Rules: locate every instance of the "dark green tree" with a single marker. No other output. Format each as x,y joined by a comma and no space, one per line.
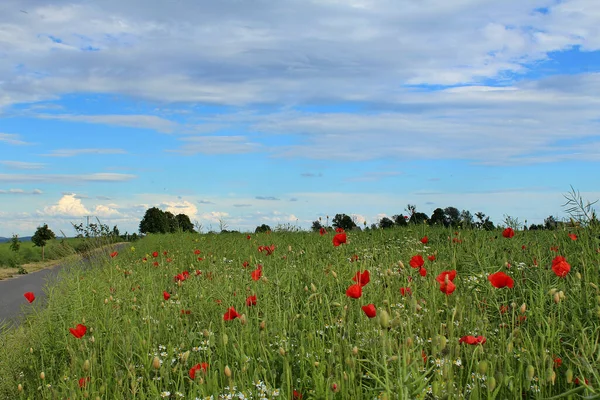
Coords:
550,223
452,216
316,226
343,221
418,218
41,237
154,221
466,219
438,217
15,243
183,223
385,223
262,229
400,220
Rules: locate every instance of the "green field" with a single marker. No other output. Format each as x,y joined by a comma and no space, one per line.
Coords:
305,337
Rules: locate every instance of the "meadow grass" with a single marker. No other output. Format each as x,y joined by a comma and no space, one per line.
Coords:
304,337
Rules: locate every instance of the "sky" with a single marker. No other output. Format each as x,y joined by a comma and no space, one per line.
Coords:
284,111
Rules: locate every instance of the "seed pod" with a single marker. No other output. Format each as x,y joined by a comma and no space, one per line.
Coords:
262,325
509,347
483,367
355,350
523,308
205,333
556,298
530,372
31,350
316,364
552,291
86,365
334,274
156,362
578,275
225,339
243,319
491,384
282,351
20,387
227,371
313,287
42,375
561,294
384,319
569,375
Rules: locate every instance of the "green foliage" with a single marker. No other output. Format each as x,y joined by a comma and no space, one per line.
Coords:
400,220
316,226
15,244
158,221
262,228
385,223
437,218
343,221
41,237
305,334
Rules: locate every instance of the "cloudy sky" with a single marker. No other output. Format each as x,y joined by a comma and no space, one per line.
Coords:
281,111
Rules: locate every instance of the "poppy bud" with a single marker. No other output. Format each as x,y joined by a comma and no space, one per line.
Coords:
31,350
262,325
92,339
578,275
225,339
334,274
355,350
593,285
205,333
561,294
227,371
509,347
384,319
552,291
550,376
86,365
316,363
105,301
401,264
313,287
530,372
483,367
20,387
42,375
569,375
491,383
156,362
409,341
305,288
335,388
243,319
345,376
523,308
282,351
556,298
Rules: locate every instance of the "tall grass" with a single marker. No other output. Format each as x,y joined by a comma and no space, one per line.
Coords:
305,337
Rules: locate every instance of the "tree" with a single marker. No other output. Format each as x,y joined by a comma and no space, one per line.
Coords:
385,223
262,229
184,223
466,219
316,226
343,221
438,217
452,216
550,223
41,237
418,218
400,220
154,221
15,243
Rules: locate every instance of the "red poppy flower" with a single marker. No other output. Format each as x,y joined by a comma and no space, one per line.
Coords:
431,257
577,381
155,263
197,368
248,237
422,271
83,382
78,331
251,300
231,314
473,340
198,272
554,248
322,231
405,291
196,252
114,254
503,309
450,275
424,240
354,258
370,310
424,356
523,247
560,266
257,273
416,261
29,296
573,236
186,312
362,278
508,233
166,295
339,238
500,280
354,291
155,254
245,264
456,240
296,395
339,230
445,279
165,253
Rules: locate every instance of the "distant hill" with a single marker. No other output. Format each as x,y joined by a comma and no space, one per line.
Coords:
22,239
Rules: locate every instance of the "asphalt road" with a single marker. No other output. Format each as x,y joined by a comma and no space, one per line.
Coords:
13,305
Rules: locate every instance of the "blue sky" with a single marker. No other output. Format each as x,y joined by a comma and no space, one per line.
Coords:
281,112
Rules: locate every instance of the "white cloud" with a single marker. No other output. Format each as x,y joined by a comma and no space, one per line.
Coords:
103,211
12,138
66,178
22,165
180,207
67,206
129,121
20,191
78,152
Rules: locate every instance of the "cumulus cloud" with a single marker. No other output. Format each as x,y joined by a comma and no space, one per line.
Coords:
68,206
180,207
